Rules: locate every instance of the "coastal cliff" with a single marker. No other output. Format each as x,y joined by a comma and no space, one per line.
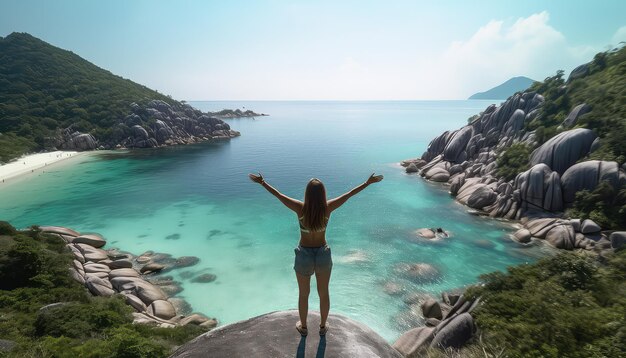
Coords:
539,156
51,99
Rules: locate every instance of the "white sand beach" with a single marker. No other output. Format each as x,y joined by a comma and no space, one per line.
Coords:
32,163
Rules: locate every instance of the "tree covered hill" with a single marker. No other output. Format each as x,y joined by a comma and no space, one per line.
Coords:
506,89
48,94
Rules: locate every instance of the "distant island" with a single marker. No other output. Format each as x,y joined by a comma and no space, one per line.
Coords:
53,99
505,90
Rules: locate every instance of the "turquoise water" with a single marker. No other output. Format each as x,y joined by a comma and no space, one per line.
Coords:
246,237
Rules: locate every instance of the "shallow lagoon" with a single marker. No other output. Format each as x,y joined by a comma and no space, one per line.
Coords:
197,200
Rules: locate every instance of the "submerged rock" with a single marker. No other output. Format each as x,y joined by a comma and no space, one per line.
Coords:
418,272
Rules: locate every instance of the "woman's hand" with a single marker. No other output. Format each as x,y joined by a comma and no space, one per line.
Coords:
256,178
373,179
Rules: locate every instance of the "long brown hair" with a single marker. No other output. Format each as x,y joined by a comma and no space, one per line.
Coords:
314,210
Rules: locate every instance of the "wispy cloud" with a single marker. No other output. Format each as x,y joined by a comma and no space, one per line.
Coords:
496,51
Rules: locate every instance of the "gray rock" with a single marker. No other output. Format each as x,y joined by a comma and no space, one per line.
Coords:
77,276
204,278
152,267
162,309
522,235
454,333
91,267
481,197
431,309
454,150
59,230
575,224
437,174
99,287
573,116
562,236
94,240
589,227
618,239
425,233
252,338
412,168
539,188
418,272
563,150
412,342
578,72
135,302
186,261
195,318
118,264
139,132
123,272
587,175
149,293
80,141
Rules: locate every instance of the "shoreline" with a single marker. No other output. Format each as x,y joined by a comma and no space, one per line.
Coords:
33,163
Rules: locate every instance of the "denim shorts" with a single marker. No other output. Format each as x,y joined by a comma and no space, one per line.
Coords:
312,259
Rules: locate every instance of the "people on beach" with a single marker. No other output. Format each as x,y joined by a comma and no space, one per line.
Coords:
312,255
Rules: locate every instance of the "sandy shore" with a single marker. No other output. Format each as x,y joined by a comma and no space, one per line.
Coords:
32,163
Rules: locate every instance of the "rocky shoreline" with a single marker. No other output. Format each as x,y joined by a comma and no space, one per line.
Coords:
110,272
155,124
465,160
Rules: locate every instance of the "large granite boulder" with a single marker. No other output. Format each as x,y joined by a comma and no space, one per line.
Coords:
573,116
94,240
59,230
455,148
481,197
563,150
436,146
454,333
562,236
412,342
274,335
587,175
540,188
618,239
80,141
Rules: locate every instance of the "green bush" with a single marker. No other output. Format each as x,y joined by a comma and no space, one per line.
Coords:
6,228
605,205
33,274
513,160
562,306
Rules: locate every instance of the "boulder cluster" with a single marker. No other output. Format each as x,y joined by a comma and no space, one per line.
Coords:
110,272
154,124
449,324
466,160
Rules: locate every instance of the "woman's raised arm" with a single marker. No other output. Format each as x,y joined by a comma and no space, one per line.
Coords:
340,200
293,204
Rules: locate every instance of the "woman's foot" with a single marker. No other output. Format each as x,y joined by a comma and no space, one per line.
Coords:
323,329
302,329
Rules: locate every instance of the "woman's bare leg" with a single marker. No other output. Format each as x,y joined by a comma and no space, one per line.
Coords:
323,278
304,287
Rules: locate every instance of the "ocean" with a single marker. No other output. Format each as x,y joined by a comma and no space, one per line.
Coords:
197,200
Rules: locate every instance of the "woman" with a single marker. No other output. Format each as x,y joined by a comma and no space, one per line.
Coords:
313,253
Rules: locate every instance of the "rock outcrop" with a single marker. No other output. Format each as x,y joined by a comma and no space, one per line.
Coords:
107,273
587,175
564,149
274,335
156,123
466,160
449,325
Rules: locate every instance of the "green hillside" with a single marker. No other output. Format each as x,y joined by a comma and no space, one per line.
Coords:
44,88
503,91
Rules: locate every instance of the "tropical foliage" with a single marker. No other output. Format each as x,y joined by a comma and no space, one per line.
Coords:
562,306
34,275
44,88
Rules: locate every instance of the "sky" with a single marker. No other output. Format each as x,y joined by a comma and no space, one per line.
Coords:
323,50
